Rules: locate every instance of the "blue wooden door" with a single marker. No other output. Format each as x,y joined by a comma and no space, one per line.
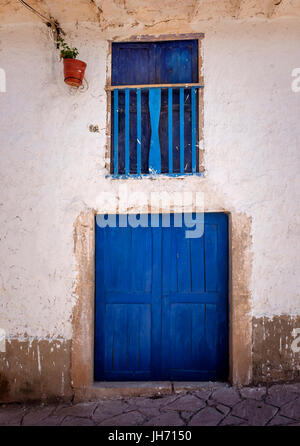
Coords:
161,302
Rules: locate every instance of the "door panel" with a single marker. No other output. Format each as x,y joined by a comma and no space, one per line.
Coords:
127,341
165,62
161,302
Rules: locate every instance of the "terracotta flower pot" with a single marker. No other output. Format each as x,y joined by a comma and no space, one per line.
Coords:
74,72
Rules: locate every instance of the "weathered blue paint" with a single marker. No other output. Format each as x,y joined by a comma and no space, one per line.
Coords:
138,131
181,124
165,62
155,117
193,93
139,63
154,152
156,313
170,128
116,132
161,302
175,175
127,157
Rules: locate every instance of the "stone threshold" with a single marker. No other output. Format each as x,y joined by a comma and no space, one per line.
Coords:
116,389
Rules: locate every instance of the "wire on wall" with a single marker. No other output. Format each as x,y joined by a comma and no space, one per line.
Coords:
34,11
56,30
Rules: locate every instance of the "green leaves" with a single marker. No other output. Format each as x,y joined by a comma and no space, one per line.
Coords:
66,52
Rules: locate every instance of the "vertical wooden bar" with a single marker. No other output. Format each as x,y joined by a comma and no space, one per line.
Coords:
127,156
170,126
99,302
193,91
109,113
138,131
181,127
116,131
156,302
200,106
166,298
154,152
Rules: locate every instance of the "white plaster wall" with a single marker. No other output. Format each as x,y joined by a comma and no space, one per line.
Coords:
52,167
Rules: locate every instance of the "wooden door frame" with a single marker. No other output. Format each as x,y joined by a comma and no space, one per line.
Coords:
240,319
149,38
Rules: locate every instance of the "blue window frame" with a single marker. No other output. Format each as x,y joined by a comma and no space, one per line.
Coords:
154,96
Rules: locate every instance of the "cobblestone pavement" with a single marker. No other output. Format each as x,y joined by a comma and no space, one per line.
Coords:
210,405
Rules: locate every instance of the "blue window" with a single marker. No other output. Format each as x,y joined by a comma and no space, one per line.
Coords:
155,97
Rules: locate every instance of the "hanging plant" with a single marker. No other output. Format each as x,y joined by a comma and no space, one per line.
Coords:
73,68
